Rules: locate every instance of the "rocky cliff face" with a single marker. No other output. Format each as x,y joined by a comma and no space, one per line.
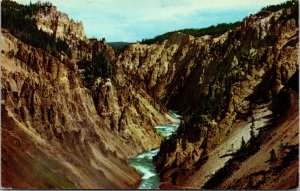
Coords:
60,135
58,24
223,79
44,101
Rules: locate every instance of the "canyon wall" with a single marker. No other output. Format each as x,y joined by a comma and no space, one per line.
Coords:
53,127
232,75
40,99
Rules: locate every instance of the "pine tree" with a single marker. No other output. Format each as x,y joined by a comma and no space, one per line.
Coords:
252,133
273,157
243,144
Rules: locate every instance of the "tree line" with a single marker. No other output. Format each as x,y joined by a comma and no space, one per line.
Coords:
223,27
212,30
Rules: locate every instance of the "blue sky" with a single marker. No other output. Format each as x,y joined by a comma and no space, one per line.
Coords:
133,20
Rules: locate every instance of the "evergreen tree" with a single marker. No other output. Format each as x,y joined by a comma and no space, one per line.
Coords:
273,157
100,67
243,144
252,133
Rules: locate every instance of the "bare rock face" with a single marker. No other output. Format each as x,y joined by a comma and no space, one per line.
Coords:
158,66
129,112
58,24
44,101
55,136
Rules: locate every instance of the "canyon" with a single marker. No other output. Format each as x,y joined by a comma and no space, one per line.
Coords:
237,93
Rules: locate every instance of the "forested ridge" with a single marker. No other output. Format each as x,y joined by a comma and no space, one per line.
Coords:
219,29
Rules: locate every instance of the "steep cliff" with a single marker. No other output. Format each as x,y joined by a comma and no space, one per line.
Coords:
44,101
59,26
223,83
54,132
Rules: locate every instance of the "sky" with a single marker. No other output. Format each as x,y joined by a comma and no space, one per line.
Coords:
134,20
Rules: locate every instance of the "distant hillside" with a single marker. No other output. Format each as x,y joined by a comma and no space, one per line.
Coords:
212,30
119,45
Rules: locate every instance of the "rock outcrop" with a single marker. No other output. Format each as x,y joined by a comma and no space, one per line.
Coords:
58,24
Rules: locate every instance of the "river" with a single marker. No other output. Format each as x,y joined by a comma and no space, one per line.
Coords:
143,161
